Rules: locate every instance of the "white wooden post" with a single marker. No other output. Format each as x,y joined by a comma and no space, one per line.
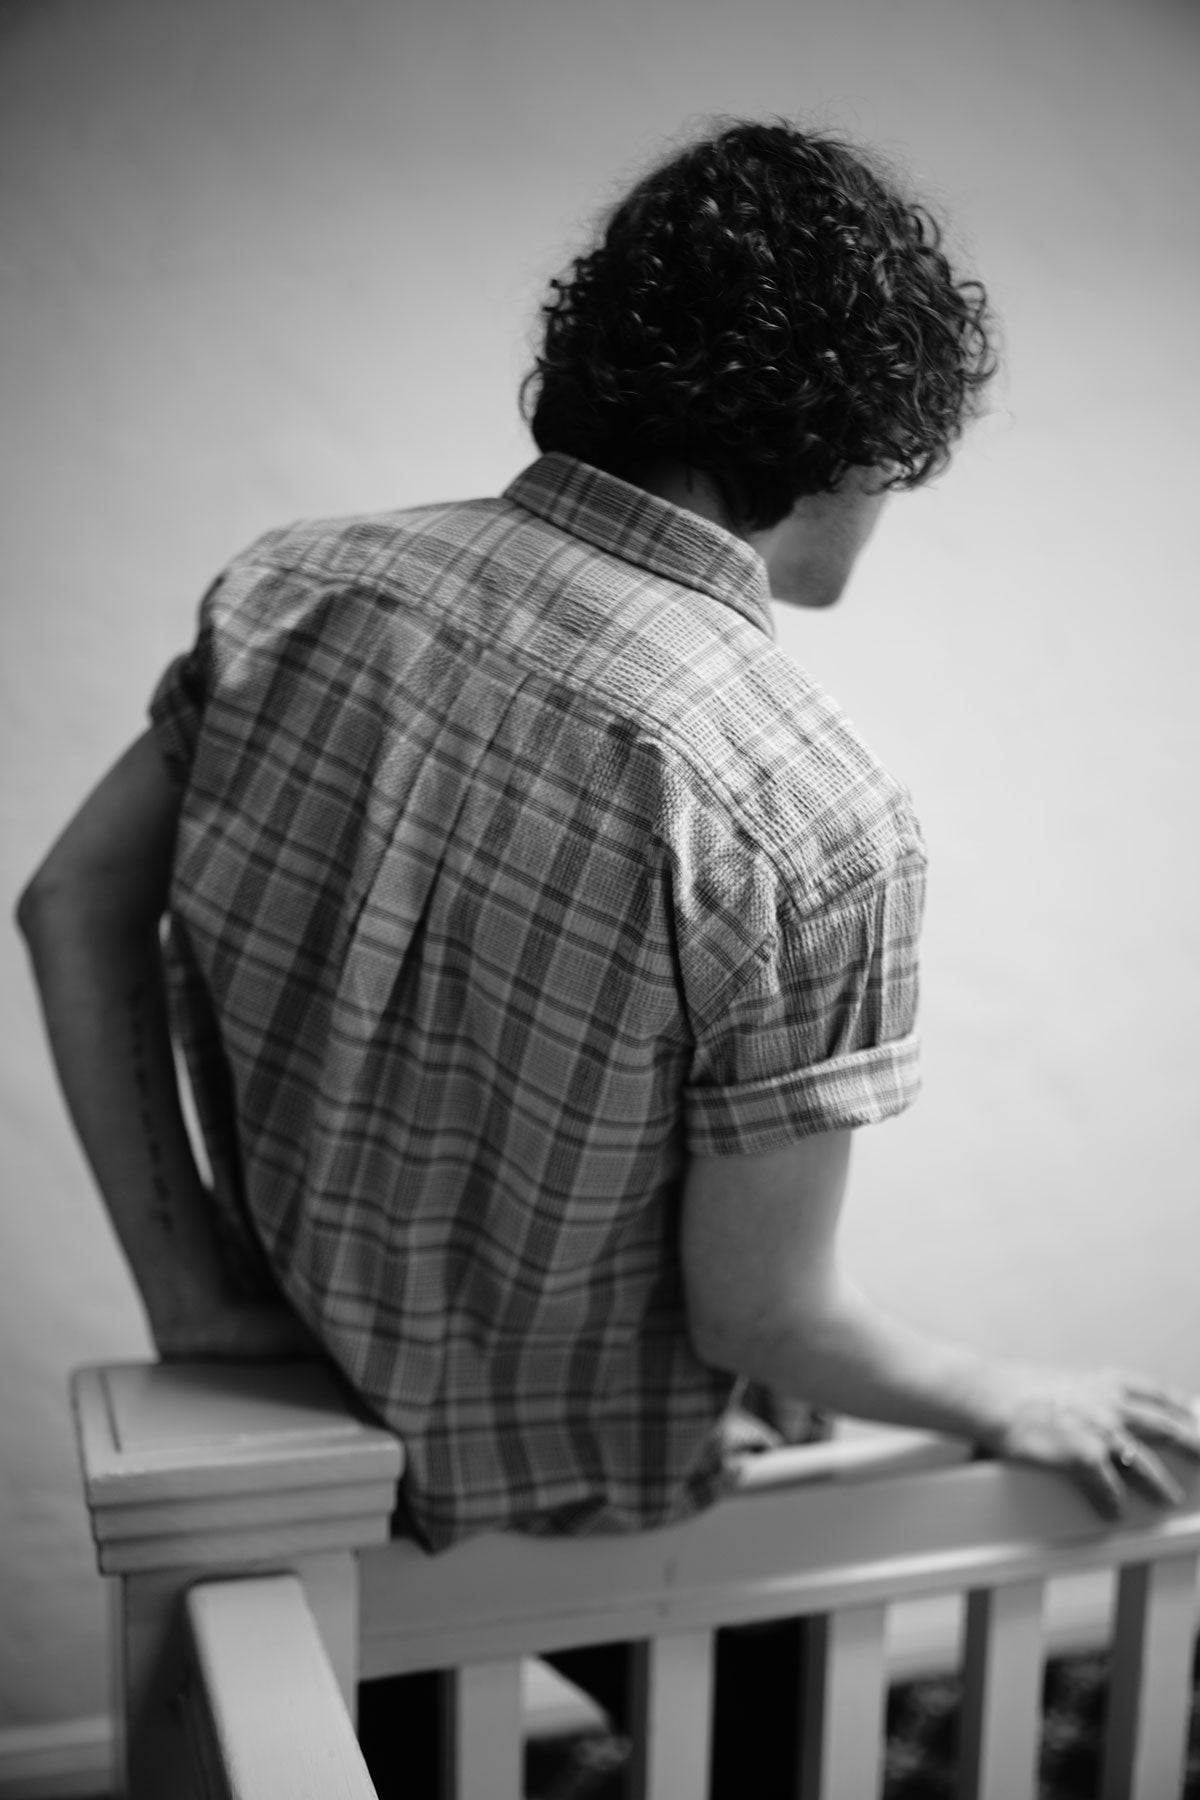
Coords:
1002,1693
484,1752
843,1705
193,1471
671,1716
1150,1685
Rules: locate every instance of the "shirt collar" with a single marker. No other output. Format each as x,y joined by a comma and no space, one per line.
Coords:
648,531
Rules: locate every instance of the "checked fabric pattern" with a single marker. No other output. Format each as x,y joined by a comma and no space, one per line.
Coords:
516,863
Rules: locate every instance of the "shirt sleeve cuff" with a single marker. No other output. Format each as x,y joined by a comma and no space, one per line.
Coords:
862,1088
174,714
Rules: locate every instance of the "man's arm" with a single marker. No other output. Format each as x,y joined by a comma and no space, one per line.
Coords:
91,917
767,1299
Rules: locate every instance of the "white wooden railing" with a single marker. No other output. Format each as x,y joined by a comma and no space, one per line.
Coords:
244,1514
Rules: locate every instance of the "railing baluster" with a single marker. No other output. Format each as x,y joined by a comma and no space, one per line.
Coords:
1002,1677
485,1747
671,1716
1150,1685
843,1705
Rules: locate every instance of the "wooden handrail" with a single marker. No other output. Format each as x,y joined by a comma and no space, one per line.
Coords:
262,1705
786,1553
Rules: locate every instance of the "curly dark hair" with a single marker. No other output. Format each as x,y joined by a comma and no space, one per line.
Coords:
770,308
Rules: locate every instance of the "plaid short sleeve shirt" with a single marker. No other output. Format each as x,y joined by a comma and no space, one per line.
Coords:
516,864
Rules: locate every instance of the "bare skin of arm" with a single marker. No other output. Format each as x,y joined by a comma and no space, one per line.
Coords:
91,917
768,1299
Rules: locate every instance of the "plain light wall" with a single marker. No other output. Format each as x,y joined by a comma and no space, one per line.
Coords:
268,259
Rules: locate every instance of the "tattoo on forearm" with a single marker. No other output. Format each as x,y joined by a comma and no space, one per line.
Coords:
161,1209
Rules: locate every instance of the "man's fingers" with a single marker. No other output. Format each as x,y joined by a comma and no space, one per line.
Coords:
1101,1484
1137,1464
1164,1425
1112,1469
1175,1401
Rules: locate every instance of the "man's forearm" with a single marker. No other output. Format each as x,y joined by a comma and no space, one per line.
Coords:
102,993
852,1358
91,916
767,1299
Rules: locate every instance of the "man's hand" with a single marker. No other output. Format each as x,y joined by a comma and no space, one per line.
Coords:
236,1331
205,1308
1097,1428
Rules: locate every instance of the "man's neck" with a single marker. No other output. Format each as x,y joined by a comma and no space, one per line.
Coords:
690,489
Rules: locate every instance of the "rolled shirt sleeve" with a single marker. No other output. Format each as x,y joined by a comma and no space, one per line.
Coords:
177,703
821,1032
